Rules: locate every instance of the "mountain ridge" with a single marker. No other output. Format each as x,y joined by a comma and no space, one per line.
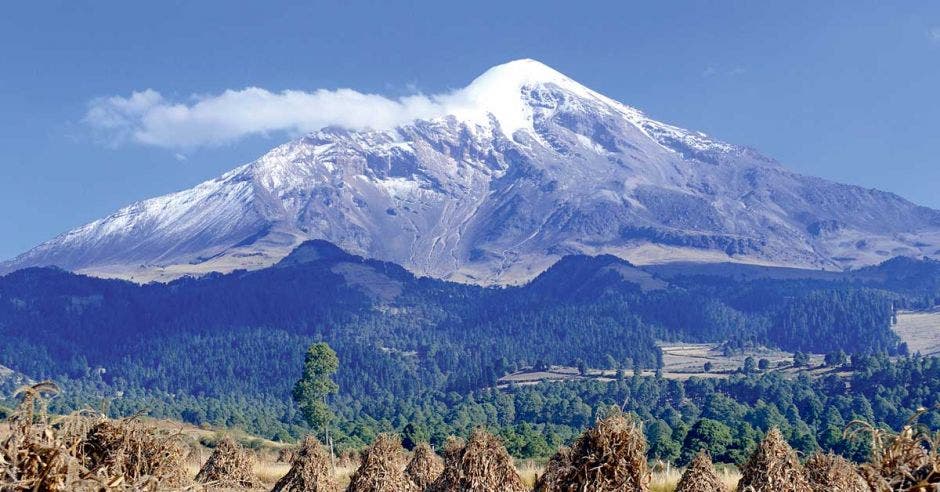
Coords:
529,166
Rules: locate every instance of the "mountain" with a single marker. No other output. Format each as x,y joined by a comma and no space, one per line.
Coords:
589,276
532,168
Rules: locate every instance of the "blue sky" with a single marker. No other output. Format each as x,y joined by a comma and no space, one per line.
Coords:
843,90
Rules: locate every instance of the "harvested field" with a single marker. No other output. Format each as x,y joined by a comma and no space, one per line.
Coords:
86,451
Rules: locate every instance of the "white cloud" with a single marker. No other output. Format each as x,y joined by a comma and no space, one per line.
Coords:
146,117
149,118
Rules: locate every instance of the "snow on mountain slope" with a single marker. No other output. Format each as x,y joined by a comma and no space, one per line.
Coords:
529,166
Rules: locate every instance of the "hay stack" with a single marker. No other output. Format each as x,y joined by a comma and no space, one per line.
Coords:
773,467
85,451
33,457
609,457
424,467
135,454
482,465
229,466
558,467
452,449
310,470
451,474
908,461
382,468
830,472
700,476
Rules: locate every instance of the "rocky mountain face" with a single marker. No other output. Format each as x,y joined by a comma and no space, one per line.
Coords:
538,167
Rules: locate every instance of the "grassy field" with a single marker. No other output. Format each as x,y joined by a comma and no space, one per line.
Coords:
921,330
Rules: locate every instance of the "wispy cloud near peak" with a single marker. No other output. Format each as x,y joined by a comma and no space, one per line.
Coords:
147,117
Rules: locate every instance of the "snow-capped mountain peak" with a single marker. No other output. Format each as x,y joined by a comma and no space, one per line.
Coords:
505,93
526,166
500,92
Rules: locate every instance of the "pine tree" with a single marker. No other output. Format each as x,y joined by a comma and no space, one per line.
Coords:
315,384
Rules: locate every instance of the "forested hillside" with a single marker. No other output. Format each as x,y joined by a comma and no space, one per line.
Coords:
226,349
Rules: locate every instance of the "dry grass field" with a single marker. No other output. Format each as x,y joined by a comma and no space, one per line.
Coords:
921,330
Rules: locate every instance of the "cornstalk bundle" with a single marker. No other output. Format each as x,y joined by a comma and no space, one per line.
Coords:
908,461
451,454
229,466
773,467
425,466
85,451
482,465
700,476
382,468
135,454
830,472
310,471
558,467
33,457
611,456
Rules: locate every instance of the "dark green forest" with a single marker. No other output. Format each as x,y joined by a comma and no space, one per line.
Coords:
422,356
